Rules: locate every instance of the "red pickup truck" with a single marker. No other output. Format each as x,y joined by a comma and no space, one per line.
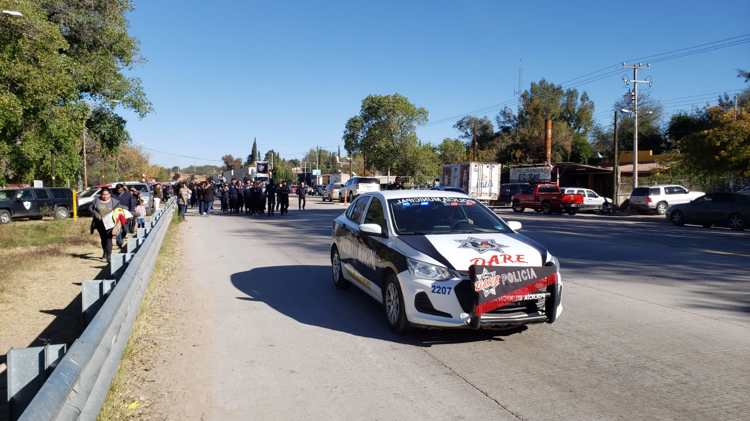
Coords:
546,198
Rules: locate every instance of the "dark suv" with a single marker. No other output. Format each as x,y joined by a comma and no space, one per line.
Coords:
35,203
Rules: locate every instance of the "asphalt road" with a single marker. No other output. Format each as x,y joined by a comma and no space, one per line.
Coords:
656,326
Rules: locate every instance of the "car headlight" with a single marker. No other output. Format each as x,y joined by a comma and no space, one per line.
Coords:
427,271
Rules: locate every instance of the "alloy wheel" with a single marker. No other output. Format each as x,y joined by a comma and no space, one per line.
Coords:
392,304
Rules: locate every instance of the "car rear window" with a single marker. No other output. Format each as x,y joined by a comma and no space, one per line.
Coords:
61,193
367,180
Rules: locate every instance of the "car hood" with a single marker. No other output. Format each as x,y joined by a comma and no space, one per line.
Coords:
460,251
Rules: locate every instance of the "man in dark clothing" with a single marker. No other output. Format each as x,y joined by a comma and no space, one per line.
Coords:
301,195
234,198
271,195
126,201
283,194
208,197
249,193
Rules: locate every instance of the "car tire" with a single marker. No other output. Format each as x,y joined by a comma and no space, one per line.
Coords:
517,207
393,304
572,212
5,217
677,218
337,271
736,222
61,212
661,208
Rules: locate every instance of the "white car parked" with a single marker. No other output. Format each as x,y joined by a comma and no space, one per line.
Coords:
659,198
358,185
591,199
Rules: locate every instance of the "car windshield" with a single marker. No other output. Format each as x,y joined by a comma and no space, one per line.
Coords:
90,192
140,187
443,215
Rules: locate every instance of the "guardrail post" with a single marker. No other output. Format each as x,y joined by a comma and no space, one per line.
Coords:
28,368
93,294
140,233
132,245
117,263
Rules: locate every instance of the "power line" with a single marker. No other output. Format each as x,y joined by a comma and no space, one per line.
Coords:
177,154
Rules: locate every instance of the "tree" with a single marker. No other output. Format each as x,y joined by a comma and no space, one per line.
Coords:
231,163
384,128
452,151
713,143
478,131
63,59
522,133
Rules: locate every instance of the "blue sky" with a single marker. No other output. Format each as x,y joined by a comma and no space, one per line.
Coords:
290,74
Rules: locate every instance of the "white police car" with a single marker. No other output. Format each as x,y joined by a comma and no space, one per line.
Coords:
442,259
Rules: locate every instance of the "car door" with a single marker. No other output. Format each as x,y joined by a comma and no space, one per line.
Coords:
593,200
676,195
722,205
44,201
26,205
373,249
350,235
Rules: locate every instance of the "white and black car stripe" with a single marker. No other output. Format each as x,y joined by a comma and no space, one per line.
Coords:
441,259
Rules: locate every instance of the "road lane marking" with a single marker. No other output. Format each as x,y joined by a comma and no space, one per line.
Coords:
725,253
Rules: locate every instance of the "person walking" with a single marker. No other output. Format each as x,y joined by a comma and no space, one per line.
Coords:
183,200
100,208
271,195
224,198
140,214
283,194
158,196
127,201
301,195
234,198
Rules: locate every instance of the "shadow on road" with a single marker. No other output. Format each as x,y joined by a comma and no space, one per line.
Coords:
306,294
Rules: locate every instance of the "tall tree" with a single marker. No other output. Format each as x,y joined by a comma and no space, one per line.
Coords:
62,59
253,154
479,132
452,151
230,162
383,129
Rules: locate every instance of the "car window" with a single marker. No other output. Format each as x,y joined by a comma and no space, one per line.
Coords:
26,195
41,194
7,194
655,191
359,209
674,190
581,192
591,193
61,193
703,199
375,215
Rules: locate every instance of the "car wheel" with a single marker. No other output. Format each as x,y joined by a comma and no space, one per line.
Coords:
661,208
4,217
517,207
546,208
572,212
337,274
677,218
61,212
736,222
393,303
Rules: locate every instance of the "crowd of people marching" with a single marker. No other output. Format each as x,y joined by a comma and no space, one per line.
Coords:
240,196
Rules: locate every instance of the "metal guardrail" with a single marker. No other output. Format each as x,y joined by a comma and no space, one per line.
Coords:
78,386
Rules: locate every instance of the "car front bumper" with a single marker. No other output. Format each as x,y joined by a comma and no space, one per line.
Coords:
447,304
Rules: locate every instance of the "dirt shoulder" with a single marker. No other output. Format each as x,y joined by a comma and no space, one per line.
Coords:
146,384
43,265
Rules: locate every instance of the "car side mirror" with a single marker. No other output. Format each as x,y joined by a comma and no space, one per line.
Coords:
371,229
515,225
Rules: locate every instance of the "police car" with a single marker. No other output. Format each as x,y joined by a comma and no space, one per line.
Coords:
442,259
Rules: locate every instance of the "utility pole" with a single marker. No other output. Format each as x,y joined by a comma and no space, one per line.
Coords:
634,98
317,164
735,107
85,170
616,165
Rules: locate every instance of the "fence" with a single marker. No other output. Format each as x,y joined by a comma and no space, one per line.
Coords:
47,383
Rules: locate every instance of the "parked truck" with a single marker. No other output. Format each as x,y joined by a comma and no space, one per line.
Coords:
547,198
480,180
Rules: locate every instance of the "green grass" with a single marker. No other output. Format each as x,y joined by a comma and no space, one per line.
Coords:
46,233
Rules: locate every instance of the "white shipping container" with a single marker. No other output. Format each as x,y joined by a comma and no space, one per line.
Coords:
480,180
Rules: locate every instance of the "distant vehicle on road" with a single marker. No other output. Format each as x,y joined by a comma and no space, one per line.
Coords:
591,199
660,197
35,203
442,259
722,209
547,198
358,185
332,192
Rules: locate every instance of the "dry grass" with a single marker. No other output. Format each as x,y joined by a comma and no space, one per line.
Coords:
125,399
27,245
